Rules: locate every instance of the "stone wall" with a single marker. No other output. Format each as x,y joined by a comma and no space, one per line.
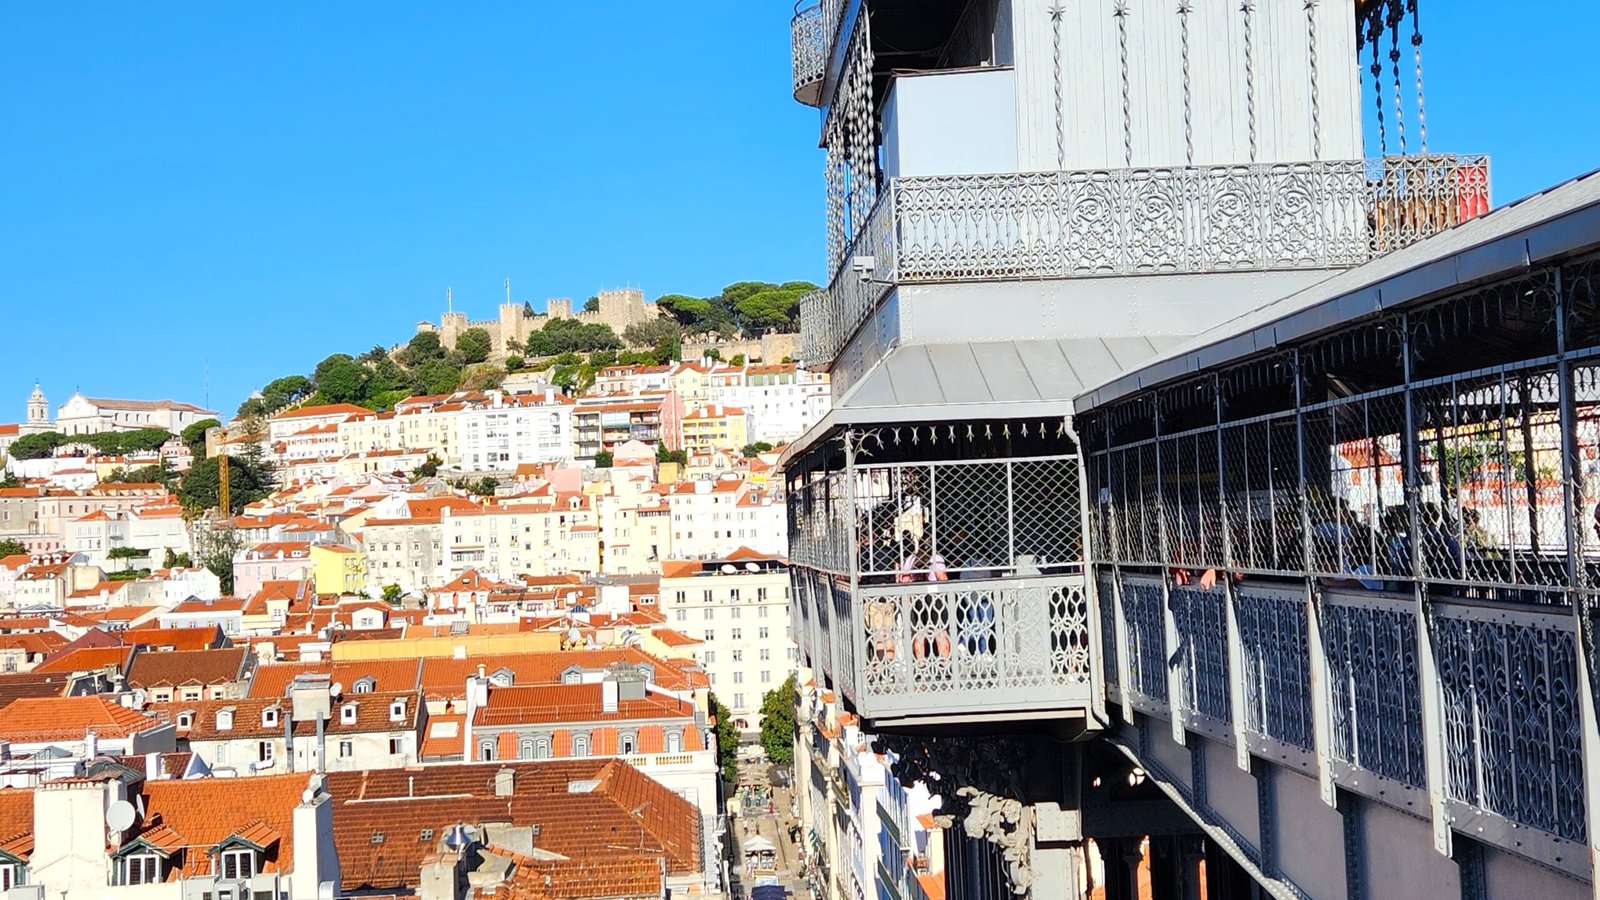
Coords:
618,309
770,348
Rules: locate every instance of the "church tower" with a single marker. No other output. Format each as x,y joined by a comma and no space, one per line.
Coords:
38,412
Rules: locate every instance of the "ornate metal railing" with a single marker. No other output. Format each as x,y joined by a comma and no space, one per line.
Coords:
991,647
1110,222
808,33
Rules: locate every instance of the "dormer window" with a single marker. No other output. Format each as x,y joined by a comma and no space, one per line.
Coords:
225,719
347,714
502,677
186,720
366,684
269,717
139,868
397,711
238,863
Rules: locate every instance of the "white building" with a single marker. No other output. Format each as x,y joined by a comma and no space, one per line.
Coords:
92,415
716,518
781,400
739,608
510,430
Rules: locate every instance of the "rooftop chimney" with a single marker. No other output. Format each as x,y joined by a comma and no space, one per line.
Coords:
608,695
505,782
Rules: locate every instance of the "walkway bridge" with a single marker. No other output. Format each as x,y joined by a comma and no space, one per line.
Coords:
1333,593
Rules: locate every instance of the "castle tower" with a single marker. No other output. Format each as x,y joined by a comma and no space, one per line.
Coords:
451,324
514,327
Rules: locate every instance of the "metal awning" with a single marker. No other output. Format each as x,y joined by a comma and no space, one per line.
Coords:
1560,221
982,380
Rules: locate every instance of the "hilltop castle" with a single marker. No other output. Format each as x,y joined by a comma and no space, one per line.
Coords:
618,309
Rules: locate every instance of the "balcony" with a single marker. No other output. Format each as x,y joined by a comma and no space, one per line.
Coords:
1121,222
999,631
808,34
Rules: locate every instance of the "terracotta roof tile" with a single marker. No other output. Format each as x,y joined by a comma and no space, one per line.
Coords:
39,719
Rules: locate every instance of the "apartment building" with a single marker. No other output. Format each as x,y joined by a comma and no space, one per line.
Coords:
716,518
738,607
781,400
604,422
511,430
715,426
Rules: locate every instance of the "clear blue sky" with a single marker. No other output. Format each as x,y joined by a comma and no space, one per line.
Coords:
260,185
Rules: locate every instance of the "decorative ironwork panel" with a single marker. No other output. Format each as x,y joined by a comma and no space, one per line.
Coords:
1108,630
1414,197
1277,664
1147,637
844,647
1202,652
964,639
808,51
1374,690
1509,684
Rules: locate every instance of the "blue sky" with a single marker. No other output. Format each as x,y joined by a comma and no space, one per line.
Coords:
257,186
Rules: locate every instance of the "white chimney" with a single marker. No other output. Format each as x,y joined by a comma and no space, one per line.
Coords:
608,695
152,766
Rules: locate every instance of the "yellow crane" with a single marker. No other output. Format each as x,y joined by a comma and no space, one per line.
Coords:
222,486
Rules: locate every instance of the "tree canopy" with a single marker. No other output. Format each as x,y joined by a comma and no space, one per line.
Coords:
752,307
114,443
194,436
474,345
10,547
777,722
727,741
572,336
250,478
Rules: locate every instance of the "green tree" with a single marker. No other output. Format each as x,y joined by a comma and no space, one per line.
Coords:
385,400
515,363
422,347
9,547
591,305
391,594
341,379
738,360
756,449
603,459
161,473
727,741
429,467
474,345
437,376
283,391
377,354
663,455
174,560
36,446
8,479
713,353
651,333
772,310
249,480
777,722
194,436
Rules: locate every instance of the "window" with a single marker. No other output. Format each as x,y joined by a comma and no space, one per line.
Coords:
711,657
709,613
761,612
486,750
238,863
761,594
710,635
674,742
264,751
347,713
734,612
397,711
738,656
396,745
766,676
541,748
190,695
185,720
627,744
347,749
707,597
580,745
364,685
733,595
738,678
525,749
139,868
762,634
738,634
682,614
269,717
738,701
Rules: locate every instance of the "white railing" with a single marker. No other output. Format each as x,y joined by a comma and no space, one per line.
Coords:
973,647
808,51
1111,222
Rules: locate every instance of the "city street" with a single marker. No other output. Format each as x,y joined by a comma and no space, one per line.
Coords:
753,819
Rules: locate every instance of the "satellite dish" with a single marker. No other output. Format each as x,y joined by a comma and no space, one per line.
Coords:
751,567
335,690
728,569
119,817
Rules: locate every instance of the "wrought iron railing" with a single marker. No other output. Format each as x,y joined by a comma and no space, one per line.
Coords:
983,517
809,51
975,647
1072,224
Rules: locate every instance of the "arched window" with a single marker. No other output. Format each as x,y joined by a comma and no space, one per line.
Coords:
541,748
627,745
364,685
674,742
580,745
486,750
525,749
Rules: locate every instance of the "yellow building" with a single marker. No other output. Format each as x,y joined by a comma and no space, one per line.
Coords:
715,427
338,569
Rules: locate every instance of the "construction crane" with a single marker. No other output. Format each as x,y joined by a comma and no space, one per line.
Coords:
222,485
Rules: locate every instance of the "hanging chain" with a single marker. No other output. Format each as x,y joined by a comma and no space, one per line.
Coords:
1249,75
1127,103
1316,94
1416,46
1394,62
1184,8
1056,13
1377,95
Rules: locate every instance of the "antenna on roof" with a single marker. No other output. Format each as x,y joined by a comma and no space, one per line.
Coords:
449,302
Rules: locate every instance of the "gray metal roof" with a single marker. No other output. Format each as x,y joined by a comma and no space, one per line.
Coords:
985,379
1560,221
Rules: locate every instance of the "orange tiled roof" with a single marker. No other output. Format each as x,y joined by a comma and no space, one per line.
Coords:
39,719
197,815
557,703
